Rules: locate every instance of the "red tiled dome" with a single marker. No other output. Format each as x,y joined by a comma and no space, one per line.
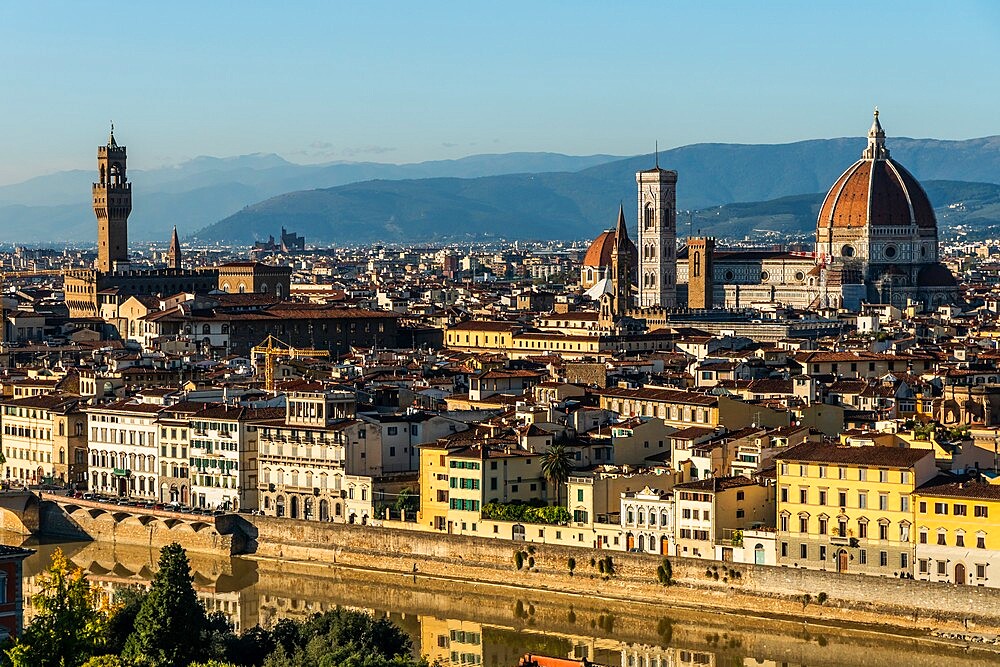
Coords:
599,252
876,190
881,192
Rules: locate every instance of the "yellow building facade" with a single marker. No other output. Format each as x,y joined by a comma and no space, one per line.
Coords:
957,532
849,509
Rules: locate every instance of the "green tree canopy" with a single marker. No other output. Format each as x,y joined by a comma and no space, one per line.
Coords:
341,638
69,623
128,601
104,661
171,627
556,467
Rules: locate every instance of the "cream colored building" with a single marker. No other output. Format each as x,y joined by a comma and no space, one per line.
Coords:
679,409
304,460
45,440
123,449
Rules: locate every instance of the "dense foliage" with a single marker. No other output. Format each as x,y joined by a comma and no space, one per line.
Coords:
70,620
527,513
167,626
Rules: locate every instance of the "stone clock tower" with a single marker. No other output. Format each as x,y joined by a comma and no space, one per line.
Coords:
657,238
112,204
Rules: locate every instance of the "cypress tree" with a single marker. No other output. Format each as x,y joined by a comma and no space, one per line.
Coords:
171,626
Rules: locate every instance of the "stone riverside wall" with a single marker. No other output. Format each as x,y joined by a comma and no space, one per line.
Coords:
297,589
775,592
850,596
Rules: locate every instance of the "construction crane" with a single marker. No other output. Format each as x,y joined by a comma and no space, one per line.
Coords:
272,349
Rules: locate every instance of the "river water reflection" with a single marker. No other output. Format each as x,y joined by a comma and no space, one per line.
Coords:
473,624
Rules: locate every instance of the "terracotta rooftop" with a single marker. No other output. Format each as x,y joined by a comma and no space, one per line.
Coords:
864,456
664,395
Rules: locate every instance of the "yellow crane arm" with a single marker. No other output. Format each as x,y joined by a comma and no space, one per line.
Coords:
271,349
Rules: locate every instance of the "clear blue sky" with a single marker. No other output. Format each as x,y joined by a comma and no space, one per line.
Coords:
411,81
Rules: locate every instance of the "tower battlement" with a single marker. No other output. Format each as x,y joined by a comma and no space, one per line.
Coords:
112,202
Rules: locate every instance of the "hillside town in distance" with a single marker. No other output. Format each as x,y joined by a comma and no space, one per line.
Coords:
833,406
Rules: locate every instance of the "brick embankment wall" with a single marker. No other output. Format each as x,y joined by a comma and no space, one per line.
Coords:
772,591
80,519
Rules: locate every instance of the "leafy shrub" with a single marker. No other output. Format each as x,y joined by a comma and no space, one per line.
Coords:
665,573
518,559
526,512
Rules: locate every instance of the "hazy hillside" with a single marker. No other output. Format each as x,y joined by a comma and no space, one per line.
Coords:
575,205
206,189
519,194
958,205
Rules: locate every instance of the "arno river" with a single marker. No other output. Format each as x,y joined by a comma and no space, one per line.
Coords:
471,624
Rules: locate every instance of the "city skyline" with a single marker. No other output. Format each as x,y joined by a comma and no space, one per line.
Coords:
385,83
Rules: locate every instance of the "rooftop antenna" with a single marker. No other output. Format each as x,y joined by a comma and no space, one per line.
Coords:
656,144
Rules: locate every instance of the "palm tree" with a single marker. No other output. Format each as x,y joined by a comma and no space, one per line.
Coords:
556,466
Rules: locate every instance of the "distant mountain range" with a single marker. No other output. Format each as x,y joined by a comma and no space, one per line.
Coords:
580,204
516,195
206,189
958,205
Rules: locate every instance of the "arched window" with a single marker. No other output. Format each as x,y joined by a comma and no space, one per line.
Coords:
697,264
648,216
206,329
